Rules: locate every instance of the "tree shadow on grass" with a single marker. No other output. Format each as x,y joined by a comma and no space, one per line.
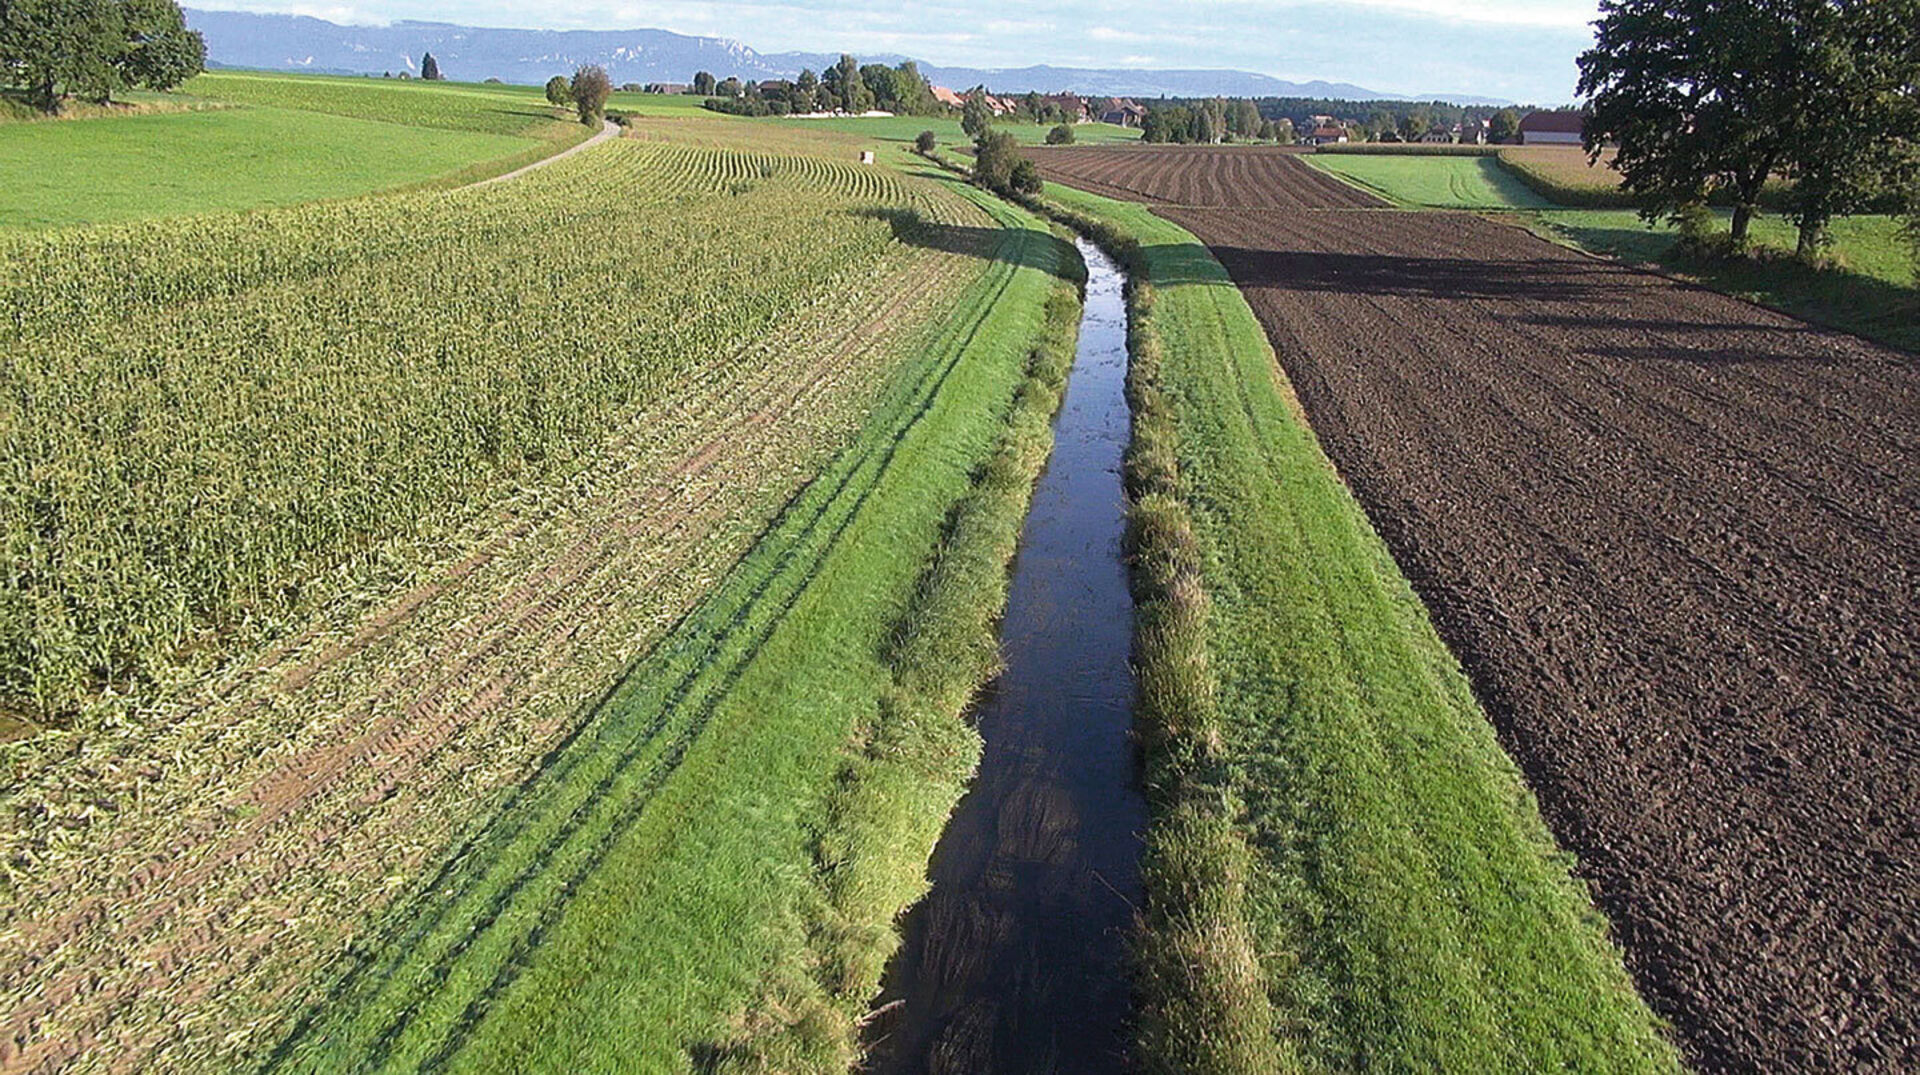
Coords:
1024,248
1831,296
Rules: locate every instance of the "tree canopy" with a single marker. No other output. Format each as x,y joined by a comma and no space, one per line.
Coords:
1705,98
590,89
95,48
430,68
559,91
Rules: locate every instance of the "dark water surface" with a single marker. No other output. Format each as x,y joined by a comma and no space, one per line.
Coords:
1015,961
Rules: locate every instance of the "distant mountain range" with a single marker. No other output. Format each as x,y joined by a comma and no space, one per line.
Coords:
472,53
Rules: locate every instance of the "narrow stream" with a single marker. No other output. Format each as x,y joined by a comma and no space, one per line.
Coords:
1015,962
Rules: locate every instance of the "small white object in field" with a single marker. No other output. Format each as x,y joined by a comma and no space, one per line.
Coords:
866,156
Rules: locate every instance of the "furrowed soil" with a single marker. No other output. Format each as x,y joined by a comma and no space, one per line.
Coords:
1267,177
1672,536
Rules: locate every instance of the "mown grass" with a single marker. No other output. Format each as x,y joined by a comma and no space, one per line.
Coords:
1342,823
241,140
59,174
706,875
1432,181
451,106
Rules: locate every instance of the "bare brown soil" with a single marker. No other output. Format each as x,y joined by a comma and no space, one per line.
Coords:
1675,538
1255,177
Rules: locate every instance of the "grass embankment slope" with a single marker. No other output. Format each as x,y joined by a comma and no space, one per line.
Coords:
275,140
707,874
1868,287
1346,872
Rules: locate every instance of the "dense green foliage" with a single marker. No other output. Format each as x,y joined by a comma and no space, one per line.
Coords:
589,91
95,48
1704,97
559,92
1061,135
205,419
430,68
999,166
1408,909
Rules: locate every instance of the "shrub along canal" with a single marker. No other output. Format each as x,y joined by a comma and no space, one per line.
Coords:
1016,959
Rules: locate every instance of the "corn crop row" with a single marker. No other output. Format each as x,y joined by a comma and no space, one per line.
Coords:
201,418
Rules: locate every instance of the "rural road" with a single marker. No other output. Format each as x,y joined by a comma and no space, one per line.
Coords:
608,131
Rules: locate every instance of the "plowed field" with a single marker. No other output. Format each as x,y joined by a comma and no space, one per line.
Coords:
1674,539
1265,177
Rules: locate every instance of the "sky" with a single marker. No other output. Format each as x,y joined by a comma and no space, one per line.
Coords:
1521,50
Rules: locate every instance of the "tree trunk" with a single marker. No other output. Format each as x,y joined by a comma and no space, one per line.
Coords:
1813,238
1742,217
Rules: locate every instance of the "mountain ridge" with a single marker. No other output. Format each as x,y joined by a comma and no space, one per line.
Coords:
472,53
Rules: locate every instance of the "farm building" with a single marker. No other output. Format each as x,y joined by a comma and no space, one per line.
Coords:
949,98
1437,136
1327,136
1070,105
1552,128
1122,112
666,87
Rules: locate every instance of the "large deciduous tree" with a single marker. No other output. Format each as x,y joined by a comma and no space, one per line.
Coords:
1503,127
1856,144
93,48
559,91
590,89
1709,97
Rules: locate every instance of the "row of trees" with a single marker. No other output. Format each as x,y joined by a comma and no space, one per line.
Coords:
847,86
1213,120
1706,98
586,92
92,49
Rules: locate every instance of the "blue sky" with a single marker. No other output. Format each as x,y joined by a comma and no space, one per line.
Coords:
1519,49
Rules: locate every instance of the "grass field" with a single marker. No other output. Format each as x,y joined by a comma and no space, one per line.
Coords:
1432,182
58,174
235,140
1408,909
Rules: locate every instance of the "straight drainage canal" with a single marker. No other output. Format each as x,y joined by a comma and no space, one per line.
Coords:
1015,962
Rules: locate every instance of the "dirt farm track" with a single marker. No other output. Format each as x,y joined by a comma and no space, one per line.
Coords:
1674,537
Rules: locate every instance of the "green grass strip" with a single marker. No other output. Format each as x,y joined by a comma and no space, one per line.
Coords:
628,908
1334,817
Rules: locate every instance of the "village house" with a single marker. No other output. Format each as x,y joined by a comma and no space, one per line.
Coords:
1327,136
1123,112
1070,105
1552,128
949,98
1437,136
666,87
